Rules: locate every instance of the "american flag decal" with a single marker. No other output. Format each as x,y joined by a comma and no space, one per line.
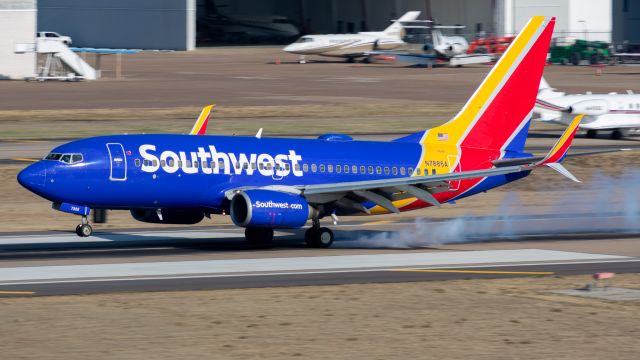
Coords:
443,136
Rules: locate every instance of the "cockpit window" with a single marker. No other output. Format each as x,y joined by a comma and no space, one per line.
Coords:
53,156
304,39
65,158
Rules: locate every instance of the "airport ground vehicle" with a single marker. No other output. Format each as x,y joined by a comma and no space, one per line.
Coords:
50,35
595,52
490,45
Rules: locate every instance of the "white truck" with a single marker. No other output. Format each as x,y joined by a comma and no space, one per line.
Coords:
50,35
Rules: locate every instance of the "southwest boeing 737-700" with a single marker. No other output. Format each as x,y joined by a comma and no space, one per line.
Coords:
276,183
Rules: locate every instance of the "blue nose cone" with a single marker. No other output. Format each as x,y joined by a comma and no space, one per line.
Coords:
33,177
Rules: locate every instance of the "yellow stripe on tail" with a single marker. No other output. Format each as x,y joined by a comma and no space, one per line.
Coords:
200,127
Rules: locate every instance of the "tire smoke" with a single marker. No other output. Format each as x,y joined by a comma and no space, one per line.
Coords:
604,205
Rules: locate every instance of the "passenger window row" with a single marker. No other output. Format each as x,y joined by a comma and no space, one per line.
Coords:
313,168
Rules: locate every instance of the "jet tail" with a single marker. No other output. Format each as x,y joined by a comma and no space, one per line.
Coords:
498,113
200,127
396,29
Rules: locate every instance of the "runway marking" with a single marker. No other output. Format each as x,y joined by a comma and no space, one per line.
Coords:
494,272
379,222
25,159
287,273
17,292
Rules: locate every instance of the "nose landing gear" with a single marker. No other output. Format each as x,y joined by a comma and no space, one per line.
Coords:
318,237
84,229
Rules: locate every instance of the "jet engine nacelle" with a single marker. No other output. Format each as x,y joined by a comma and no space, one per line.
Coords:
589,107
169,216
272,209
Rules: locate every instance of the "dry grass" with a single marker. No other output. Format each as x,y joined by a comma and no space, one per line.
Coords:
480,319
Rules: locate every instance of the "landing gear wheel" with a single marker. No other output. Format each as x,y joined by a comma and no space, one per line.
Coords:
84,230
592,134
617,134
258,236
319,237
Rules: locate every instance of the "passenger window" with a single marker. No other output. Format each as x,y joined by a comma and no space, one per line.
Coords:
137,162
162,163
322,168
179,163
394,170
362,169
402,171
314,168
237,165
330,168
213,164
155,163
268,165
410,171
354,169
297,167
287,166
245,166
346,169
195,164
433,171
338,168
378,170
221,164
370,168
187,164
418,170
171,162
386,170
305,167
254,166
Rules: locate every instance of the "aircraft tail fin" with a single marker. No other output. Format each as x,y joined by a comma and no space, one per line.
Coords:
200,127
499,111
396,29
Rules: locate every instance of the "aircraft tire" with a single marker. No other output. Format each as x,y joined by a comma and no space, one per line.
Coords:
258,236
84,230
319,237
617,134
592,134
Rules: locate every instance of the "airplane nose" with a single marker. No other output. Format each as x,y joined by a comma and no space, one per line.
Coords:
33,177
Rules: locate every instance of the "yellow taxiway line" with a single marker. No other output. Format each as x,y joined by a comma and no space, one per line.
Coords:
495,272
17,292
25,159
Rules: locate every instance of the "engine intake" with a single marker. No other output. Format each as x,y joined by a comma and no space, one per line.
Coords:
590,107
169,216
272,209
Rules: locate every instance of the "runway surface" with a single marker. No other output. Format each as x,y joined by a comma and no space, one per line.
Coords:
188,259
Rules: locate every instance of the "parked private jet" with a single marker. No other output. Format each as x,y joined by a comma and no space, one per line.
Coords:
275,183
612,111
352,46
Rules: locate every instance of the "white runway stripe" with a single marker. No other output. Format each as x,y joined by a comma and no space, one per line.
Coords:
316,263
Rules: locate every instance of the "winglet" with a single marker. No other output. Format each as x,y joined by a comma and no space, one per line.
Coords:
559,150
200,127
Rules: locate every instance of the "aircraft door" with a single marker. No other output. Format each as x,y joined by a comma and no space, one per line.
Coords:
118,162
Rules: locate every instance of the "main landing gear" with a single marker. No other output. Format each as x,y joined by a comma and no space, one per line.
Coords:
318,237
84,229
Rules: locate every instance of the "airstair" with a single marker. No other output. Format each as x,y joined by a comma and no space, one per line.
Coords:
61,63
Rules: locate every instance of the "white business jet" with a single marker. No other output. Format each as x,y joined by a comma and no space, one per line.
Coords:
612,112
352,46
